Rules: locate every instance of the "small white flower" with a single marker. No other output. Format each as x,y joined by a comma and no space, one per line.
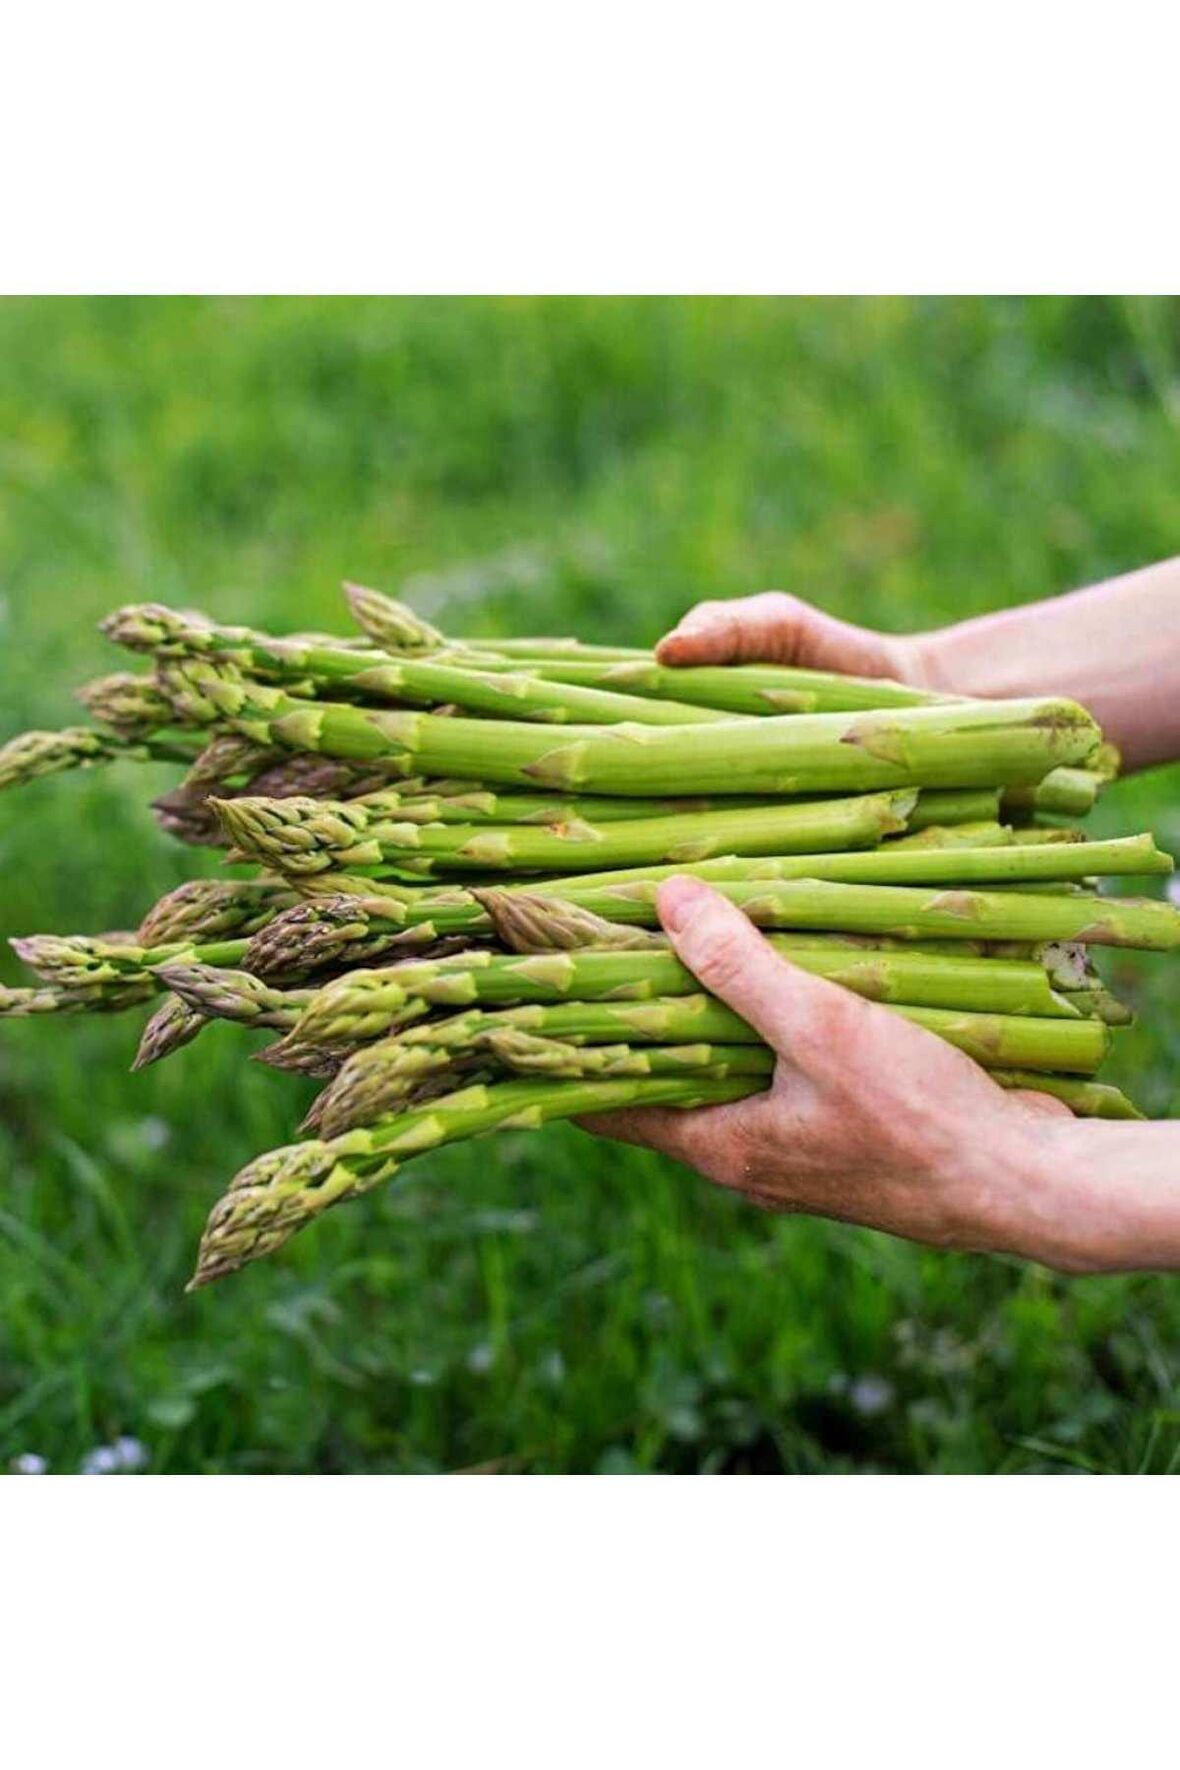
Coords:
102,1460
131,1453
871,1395
29,1463
480,1359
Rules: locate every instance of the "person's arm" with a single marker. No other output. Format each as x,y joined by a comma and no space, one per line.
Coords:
872,1120
1114,647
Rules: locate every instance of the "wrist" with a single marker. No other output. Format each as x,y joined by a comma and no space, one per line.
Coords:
1085,1198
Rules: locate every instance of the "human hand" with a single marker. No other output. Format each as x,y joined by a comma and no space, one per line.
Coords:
869,1118
781,629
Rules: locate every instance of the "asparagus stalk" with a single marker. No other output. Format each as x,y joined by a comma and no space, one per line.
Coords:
132,706
218,993
78,962
545,649
33,753
363,1006
743,688
374,676
981,835
997,1041
1086,1099
483,805
174,1024
384,1078
908,912
213,909
282,1191
891,865
976,805
1065,792
958,745
110,998
308,835
381,1078
389,622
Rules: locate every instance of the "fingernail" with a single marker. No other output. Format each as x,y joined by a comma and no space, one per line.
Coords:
678,899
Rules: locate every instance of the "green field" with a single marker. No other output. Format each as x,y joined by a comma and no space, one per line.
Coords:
548,1302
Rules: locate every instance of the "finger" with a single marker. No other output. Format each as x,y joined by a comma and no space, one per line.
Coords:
729,632
792,1010
776,628
651,1127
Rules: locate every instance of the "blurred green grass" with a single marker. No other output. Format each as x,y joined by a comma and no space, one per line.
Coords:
589,465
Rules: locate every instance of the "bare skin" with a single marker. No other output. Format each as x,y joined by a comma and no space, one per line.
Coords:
872,1120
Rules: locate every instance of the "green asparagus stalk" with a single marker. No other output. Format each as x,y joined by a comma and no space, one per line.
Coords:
213,909
308,835
902,912
286,1189
389,622
550,650
374,676
219,993
380,1079
79,962
1066,792
1086,1099
173,1025
742,688
109,998
363,1006
336,933
388,1079
982,835
908,912
1018,866
994,1040
34,753
976,805
958,745
133,706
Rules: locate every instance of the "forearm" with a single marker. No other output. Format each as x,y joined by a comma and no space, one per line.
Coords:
1097,1197
1115,647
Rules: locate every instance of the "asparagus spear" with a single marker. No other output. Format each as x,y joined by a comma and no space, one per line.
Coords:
133,706
282,1191
222,994
309,835
174,1024
743,688
958,745
109,998
1065,792
363,1006
34,753
389,622
997,1041
374,676
79,962
909,912
381,1078
213,909
386,1078
1086,1099
1019,866
975,805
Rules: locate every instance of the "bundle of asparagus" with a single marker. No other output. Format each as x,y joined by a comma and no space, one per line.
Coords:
451,916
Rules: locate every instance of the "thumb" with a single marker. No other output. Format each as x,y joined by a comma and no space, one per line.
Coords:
722,947
779,629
